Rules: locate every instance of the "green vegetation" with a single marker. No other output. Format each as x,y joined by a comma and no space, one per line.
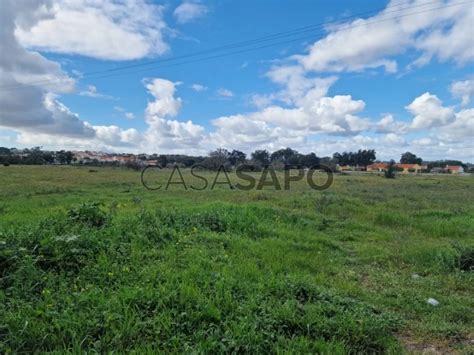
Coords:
90,260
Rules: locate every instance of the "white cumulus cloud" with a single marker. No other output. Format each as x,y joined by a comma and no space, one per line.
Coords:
429,112
360,44
189,11
463,90
115,30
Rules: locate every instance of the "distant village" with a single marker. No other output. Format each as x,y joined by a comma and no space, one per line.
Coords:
144,159
347,162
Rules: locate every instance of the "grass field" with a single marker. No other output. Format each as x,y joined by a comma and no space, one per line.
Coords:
90,260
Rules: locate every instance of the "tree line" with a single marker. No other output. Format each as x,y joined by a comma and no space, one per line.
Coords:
35,156
258,159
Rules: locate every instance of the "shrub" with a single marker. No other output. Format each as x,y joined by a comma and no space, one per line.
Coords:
390,172
89,214
466,259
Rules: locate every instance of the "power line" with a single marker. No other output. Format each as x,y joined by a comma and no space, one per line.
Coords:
267,45
117,71
260,39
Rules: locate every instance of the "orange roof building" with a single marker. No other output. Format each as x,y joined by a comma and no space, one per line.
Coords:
377,167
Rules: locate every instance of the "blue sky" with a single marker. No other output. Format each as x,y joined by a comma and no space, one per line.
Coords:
400,77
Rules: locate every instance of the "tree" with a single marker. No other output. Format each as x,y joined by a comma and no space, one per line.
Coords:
390,172
337,157
287,156
64,157
361,157
35,156
365,157
261,157
48,157
308,160
410,158
237,157
4,151
163,160
217,158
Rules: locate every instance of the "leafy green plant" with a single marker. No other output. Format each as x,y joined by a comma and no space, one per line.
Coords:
88,213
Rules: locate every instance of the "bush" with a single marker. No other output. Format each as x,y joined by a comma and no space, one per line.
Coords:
89,214
390,172
466,259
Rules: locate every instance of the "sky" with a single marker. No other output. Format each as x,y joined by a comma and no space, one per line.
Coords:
190,76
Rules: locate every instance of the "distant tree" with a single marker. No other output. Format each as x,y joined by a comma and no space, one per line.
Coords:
329,162
287,156
4,151
346,158
217,158
390,172
237,157
34,156
410,158
308,160
163,160
48,157
261,157
365,157
189,162
64,157
5,156
361,157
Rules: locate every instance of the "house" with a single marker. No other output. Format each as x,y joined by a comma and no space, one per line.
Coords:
378,167
410,168
454,169
344,168
153,162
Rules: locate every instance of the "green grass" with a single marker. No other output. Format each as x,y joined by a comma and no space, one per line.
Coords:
92,261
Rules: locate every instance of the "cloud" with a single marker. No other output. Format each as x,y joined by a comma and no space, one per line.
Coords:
30,86
128,115
425,141
116,136
387,124
461,128
335,115
189,11
298,87
165,103
225,93
24,105
198,87
463,90
443,33
163,133
308,108
138,24
429,112
92,92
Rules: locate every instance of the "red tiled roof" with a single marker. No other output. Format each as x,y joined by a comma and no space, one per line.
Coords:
407,166
377,166
453,167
